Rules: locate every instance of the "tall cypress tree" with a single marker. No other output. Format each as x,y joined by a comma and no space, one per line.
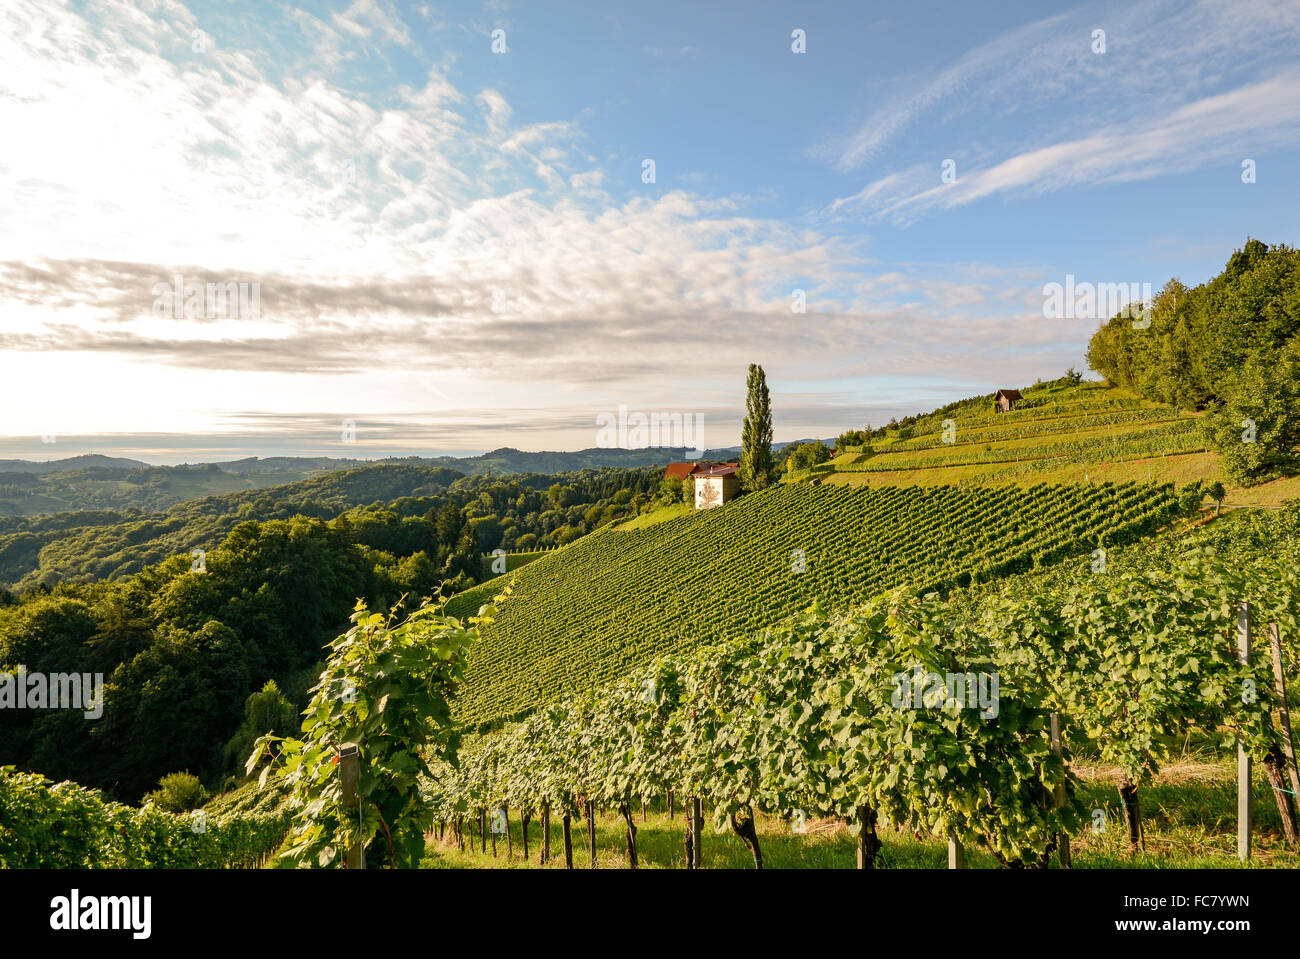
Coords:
756,467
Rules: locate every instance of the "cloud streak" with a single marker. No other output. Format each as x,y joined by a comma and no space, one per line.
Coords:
1171,93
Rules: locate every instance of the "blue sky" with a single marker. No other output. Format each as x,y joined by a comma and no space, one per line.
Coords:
455,249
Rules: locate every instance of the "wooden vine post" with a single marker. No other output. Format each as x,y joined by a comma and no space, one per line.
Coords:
1062,840
1287,801
956,854
349,778
1243,758
1279,678
546,832
697,829
566,824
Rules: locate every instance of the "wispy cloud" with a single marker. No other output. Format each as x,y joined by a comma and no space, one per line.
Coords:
1253,119
1171,93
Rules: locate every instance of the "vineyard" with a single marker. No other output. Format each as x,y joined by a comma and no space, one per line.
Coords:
616,599
66,826
827,716
1054,426
1159,440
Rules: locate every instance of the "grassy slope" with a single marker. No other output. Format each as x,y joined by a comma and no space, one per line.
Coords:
514,561
658,515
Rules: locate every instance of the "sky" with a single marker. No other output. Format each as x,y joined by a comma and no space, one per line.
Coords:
473,225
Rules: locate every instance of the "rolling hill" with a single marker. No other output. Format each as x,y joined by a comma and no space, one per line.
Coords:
582,615
957,496
1060,433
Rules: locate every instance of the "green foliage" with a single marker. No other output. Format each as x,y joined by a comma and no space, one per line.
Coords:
1216,492
1257,427
674,490
387,689
1189,497
178,792
66,826
1228,345
757,469
265,712
586,614
818,715
807,455
853,439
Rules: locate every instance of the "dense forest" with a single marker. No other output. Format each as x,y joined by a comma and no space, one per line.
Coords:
514,514
1229,347
186,645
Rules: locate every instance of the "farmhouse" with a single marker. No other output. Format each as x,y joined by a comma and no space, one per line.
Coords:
1004,401
715,485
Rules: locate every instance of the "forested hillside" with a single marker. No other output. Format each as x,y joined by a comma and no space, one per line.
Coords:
184,642
85,546
1228,346
100,482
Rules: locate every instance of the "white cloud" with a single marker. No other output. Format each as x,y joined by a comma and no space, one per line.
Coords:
417,251
1171,93
1250,120
367,18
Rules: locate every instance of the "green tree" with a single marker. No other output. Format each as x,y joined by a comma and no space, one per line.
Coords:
265,712
1216,492
1257,428
806,455
756,466
450,523
178,792
853,438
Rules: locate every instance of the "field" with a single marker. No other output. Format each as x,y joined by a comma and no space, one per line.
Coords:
615,599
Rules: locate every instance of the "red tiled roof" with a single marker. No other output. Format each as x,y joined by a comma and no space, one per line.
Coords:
680,470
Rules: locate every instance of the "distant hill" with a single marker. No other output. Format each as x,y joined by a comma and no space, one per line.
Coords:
70,463
95,482
252,465
510,460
